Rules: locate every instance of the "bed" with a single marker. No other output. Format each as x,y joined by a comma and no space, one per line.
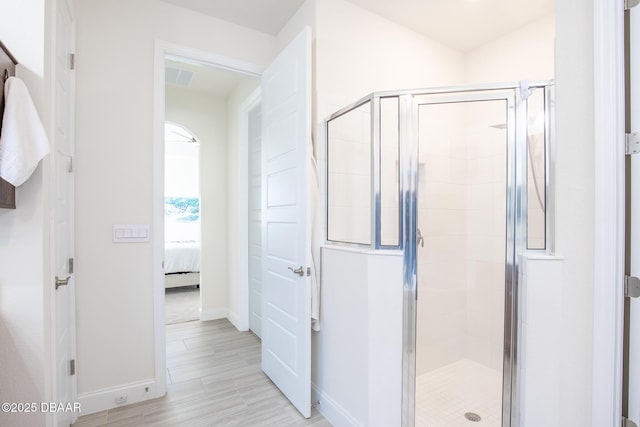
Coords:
181,264
182,245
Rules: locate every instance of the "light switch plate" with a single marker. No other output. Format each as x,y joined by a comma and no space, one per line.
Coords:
130,233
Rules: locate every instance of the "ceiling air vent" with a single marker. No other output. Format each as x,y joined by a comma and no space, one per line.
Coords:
178,76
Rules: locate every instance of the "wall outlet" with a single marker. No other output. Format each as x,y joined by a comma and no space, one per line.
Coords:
121,398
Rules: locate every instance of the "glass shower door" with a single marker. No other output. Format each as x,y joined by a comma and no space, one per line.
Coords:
465,251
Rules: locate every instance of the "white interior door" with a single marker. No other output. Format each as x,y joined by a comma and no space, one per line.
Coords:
64,294
634,312
286,232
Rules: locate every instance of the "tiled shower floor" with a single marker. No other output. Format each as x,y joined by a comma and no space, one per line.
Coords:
445,394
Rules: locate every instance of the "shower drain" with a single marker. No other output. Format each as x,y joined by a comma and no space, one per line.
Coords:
473,417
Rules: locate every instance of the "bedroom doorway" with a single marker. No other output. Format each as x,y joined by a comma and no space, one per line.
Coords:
208,98
181,224
224,223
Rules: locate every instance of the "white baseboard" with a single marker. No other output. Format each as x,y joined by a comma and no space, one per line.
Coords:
331,410
234,319
214,313
104,399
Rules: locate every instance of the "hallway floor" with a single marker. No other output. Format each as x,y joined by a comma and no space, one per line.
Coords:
181,304
213,379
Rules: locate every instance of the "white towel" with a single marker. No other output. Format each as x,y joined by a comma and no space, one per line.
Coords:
23,141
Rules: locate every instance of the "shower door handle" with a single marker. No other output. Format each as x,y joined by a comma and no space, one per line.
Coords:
299,271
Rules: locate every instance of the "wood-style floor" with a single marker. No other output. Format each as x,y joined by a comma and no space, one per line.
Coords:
213,379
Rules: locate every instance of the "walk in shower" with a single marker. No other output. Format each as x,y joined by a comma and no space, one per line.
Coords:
458,180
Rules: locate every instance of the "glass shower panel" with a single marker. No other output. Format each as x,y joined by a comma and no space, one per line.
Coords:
462,190
349,176
536,173
389,172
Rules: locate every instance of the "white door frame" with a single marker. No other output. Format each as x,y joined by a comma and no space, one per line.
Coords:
241,319
609,214
49,167
162,50
632,397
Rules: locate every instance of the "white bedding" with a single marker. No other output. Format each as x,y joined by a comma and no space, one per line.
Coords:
181,257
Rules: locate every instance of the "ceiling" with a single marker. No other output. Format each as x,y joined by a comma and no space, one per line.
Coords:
266,16
460,24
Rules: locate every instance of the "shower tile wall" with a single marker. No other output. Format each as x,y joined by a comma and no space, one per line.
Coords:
461,215
349,183
536,226
442,282
535,212
389,172
486,221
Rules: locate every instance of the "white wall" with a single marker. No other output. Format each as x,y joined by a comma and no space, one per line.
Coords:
182,169
525,54
358,52
23,237
206,116
304,16
574,209
18,20
115,62
357,363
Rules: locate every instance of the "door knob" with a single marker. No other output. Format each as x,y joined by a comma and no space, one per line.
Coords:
62,282
299,271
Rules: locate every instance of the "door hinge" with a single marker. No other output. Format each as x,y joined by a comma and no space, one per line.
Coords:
69,164
628,4
632,142
626,422
70,265
308,271
72,61
72,367
631,287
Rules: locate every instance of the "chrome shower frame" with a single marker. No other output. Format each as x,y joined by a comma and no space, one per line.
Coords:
515,95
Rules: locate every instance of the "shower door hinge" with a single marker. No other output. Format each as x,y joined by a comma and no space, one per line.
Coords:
628,4
626,422
72,367
632,142
631,287
70,265
72,61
